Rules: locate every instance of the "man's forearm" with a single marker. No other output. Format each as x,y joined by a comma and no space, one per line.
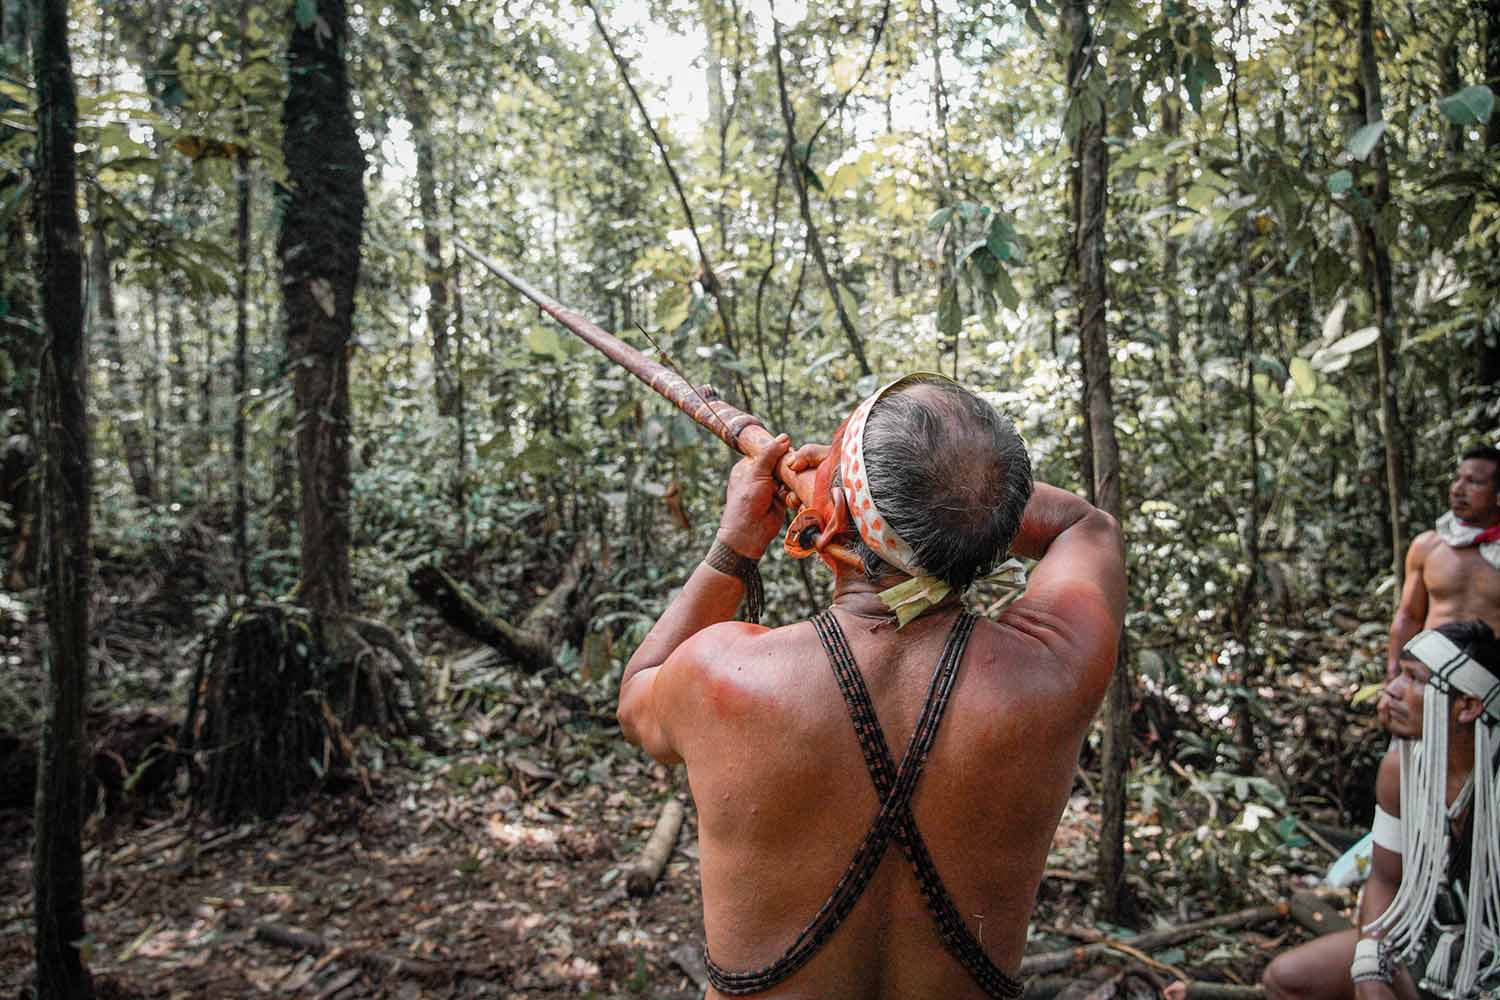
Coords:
1403,627
1050,512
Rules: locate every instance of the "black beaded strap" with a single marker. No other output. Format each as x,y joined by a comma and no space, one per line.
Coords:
894,821
724,559
954,933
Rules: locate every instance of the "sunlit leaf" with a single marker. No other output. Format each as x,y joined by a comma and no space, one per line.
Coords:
1362,143
1470,106
1303,376
1356,341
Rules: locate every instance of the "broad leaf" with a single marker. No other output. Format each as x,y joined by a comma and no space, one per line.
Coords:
1356,341
1470,106
306,12
1362,143
1340,181
1334,324
1303,376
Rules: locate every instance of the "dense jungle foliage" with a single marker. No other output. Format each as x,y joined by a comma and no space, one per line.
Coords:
793,202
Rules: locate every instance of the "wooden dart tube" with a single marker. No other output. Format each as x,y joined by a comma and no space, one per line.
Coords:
740,430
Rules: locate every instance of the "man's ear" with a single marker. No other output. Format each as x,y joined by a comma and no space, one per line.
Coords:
1469,708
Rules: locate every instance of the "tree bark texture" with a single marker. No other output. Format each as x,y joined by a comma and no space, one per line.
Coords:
419,111
1171,124
241,363
263,720
1492,66
1093,293
243,191
57,872
1489,349
18,343
322,225
128,412
1377,257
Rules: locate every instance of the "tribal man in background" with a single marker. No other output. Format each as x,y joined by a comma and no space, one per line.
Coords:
793,737
1453,571
1428,923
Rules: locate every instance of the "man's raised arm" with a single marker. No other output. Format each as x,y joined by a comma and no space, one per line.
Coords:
752,518
1076,543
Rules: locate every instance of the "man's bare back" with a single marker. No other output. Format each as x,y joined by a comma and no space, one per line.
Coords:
781,785
777,773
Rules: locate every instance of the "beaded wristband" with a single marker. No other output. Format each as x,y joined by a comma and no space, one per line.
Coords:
724,559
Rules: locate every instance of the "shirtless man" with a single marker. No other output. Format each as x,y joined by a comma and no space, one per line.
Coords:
784,784
1453,571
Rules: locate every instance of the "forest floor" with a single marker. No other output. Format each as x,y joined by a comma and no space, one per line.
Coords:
497,867
506,877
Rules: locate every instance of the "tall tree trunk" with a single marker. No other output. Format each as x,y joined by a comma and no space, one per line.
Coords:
177,395
241,515
1377,258
1245,718
1116,902
322,225
57,869
1171,125
1492,66
18,343
460,416
418,110
127,414
1489,350
1453,82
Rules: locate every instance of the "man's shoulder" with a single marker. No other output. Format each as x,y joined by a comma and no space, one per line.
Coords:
1424,543
1045,660
731,653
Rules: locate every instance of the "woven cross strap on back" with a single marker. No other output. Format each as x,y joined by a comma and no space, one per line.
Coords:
894,786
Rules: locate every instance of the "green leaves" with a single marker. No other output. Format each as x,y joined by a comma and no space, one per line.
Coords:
1303,376
1340,181
544,340
1362,143
1470,106
306,13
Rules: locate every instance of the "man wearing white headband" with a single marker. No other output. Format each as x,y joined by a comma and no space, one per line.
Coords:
877,788
1453,571
1429,917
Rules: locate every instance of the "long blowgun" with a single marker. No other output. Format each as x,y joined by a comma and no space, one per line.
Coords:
740,430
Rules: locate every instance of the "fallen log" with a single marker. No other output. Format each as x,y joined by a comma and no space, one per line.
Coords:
381,962
644,872
1058,961
1316,914
529,645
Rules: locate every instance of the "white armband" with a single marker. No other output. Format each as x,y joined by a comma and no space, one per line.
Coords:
1388,832
1369,964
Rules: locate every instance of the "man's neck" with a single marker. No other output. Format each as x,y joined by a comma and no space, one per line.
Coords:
859,595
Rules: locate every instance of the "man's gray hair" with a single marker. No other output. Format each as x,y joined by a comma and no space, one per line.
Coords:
950,475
